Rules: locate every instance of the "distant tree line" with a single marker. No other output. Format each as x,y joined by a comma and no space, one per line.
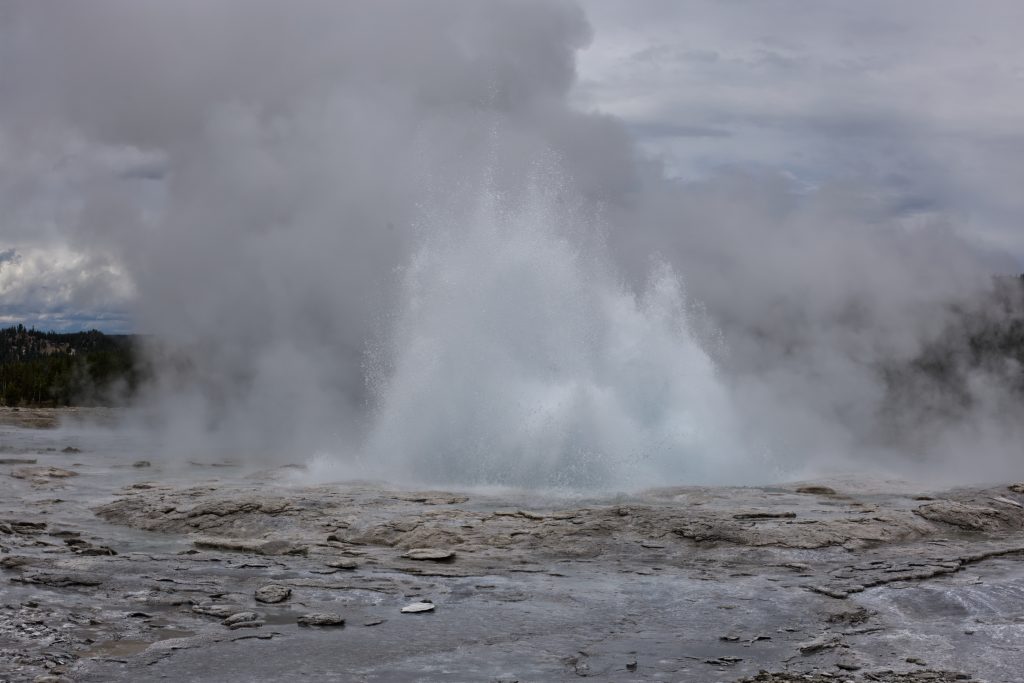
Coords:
58,369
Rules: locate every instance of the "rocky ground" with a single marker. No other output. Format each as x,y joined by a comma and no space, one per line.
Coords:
117,566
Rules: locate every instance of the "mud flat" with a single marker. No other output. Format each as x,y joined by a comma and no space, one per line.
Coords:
113,570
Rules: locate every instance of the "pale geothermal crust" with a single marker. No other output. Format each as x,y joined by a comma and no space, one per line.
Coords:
124,573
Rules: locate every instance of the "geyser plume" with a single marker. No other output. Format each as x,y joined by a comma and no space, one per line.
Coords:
518,357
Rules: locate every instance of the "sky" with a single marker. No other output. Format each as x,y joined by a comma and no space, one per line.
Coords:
924,96
918,100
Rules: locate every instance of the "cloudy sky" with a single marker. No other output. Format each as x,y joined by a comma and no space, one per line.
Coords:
925,96
920,101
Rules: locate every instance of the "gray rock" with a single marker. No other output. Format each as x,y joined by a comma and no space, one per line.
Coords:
762,514
221,611
273,593
342,564
965,516
823,642
258,547
60,579
321,619
816,490
431,554
240,617
41,473
247,624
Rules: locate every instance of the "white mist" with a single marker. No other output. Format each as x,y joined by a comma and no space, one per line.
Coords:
518,358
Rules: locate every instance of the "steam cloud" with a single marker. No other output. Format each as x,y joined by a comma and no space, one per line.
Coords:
381,230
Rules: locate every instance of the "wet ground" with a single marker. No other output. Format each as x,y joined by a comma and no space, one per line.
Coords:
117,566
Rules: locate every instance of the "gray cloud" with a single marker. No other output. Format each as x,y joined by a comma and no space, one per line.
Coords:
825,90
9,256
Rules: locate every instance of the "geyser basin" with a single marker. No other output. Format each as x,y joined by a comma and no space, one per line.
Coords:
684,584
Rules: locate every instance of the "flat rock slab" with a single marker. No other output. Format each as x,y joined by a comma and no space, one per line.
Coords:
257,547
59,579
879,676
964,515
759,514
418,607
342,564
816,490
42,473
241,618
433,498
215,610
321,619
431,554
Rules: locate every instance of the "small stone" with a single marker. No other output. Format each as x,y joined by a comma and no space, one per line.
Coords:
915,660
432,554
321,619
374,622
142,463
847,665
418,607
729,639
272,593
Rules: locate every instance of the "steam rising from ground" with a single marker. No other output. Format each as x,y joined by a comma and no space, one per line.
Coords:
334,228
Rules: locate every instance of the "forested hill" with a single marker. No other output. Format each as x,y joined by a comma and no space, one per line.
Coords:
54,369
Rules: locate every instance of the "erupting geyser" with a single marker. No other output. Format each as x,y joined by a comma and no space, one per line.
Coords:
519,358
